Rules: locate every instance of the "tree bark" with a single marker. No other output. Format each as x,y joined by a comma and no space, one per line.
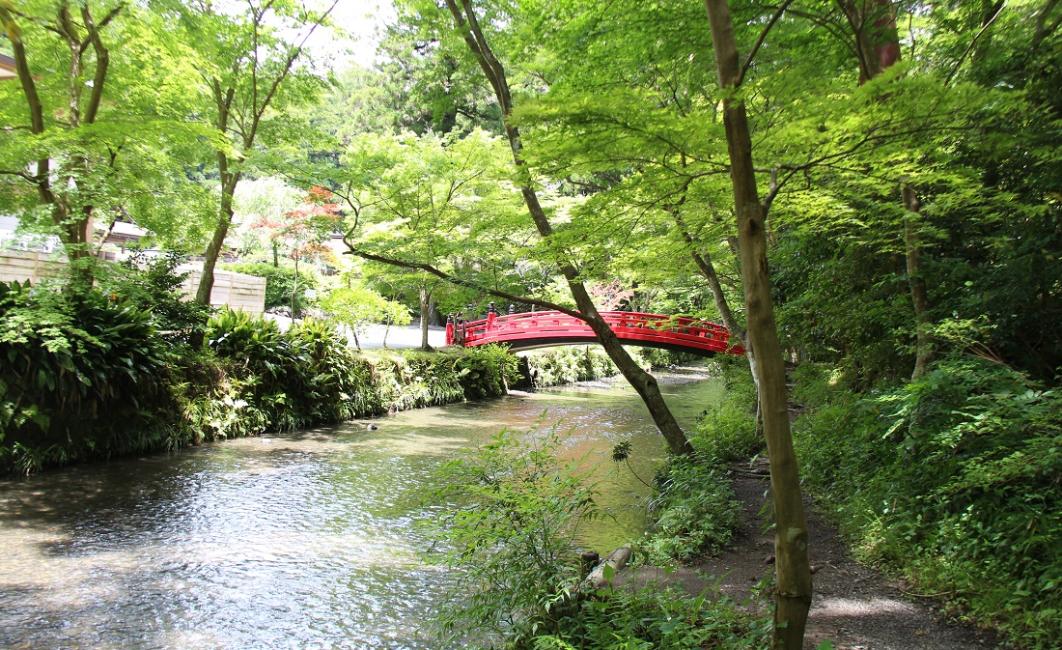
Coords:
917,283
792,571
217,241
877,41
879,49
643,383
425,316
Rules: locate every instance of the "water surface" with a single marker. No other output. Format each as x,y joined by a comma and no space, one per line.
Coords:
303,540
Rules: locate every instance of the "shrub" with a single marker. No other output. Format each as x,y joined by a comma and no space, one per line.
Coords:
694,512
486,371
567,365
510,535
309,375
154,285
983,524
656,618
82,376
727,432
280,282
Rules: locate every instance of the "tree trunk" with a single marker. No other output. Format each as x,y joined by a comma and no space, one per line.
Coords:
879,49
425,315
876,38
792,571
707,269
221,230
917,283
295,290
643,383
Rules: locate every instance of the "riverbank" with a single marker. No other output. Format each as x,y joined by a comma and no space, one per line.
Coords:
103,383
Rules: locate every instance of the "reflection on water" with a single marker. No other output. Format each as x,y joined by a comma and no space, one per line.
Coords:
300,540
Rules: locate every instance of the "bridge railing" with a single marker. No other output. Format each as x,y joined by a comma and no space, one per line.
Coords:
641,327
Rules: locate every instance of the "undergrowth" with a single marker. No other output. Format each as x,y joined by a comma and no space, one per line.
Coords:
953,480
694,512
510,537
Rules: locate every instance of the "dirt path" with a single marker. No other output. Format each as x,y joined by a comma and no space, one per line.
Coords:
854,607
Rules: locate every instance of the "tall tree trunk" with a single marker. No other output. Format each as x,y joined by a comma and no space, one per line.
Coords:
792,571
874,29
295,291
873,25
425,316
643,383
221,230
917,283
704,264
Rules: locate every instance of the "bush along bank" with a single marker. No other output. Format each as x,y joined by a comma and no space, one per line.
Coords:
693,511
98,373
567,365
523,586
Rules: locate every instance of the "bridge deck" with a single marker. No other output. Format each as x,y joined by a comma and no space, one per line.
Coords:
549,328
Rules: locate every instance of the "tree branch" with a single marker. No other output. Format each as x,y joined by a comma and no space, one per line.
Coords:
973,42
759,40
258,112
453,279
103,59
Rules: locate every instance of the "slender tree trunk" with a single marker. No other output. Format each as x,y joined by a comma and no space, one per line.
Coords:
792,571
221,230
874,29
704,264
917,283
294,290
425,315
643,383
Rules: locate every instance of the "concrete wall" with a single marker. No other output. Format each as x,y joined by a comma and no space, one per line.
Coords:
28,265
237,290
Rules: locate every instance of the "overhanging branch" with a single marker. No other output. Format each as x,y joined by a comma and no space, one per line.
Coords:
453,279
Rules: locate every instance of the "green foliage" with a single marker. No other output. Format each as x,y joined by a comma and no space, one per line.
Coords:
727,432
83,375
280,282
694,512
308,375
982,525
567,365
211,400
356,306
651,619
509,533
486,371
155,285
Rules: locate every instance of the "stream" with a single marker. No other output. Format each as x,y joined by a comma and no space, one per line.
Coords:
298,540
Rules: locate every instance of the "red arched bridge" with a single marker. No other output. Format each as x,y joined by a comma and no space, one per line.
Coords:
544,329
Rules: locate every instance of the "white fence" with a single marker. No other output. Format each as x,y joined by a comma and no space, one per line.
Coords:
237,290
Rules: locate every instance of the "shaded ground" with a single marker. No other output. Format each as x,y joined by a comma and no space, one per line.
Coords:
854,607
